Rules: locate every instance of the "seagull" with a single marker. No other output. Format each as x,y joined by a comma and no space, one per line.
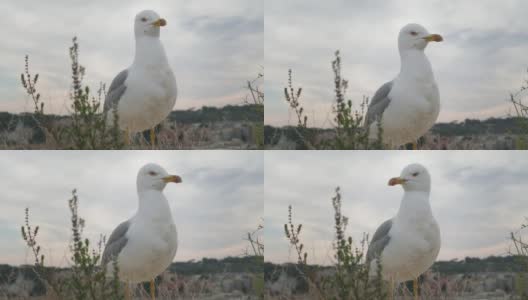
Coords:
144,94
145,245
408,244
408,106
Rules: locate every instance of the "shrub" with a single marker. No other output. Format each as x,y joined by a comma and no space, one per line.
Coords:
520,247
351,278
349,130
85,279
521,112
86,127
256,97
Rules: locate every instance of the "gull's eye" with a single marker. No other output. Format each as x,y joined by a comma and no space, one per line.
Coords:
415,174
152,173
143,19
414,33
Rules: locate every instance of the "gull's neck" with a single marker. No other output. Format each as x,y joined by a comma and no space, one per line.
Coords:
153,206
149,52
414,64
415,207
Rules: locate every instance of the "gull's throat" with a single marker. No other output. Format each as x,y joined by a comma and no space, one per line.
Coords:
414,63
149,52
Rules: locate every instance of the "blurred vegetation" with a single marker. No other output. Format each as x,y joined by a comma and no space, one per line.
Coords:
256,97
245,264
229,113
256,249
477,265
521,112
520,249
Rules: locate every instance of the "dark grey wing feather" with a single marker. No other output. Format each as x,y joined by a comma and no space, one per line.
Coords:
378,103
116,242
116,91
379,241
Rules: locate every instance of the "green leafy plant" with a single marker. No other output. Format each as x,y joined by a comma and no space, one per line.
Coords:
86,127
521,112
85,280
349,130
257,251
351,278
292,96
89,128
292,233
256,97
520,247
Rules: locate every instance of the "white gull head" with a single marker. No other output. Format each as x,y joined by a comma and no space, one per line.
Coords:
414,177
148,23
154,177
415,36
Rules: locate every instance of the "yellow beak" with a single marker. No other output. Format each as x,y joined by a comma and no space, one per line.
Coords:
396,180
434,38
172,178
160,23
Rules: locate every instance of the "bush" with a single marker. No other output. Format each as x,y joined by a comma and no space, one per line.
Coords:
86,127
349,132
520,247
521,111
256,97
85,279
351,278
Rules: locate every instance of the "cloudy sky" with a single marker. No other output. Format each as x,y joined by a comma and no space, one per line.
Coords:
212,46
475,204
482,59
220,199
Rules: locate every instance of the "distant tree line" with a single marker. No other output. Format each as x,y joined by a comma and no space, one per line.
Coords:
477,127
205,115
469,127
230,113
247,264
477,265
465,266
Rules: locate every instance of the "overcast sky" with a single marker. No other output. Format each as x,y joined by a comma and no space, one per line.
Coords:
482,59
477,198
220,199
212,46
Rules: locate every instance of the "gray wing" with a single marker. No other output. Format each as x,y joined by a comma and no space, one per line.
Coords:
116,242
378,103
380,240
116,90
